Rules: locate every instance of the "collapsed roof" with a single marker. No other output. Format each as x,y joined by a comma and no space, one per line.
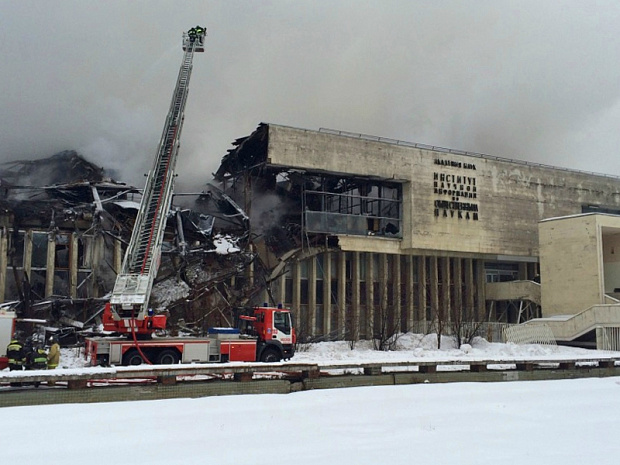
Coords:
67,194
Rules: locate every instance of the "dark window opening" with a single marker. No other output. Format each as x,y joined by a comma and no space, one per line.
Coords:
353,206
498,272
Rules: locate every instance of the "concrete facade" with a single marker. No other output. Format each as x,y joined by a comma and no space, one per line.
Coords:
464,217
506,198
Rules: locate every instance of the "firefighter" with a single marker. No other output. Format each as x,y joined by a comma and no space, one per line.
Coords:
29,350
53,356
200,32
15,354
38,359
192,34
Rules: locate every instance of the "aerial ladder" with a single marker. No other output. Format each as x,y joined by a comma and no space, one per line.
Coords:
128,312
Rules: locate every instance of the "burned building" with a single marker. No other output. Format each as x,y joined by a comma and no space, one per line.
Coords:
361,231
64,226
360,236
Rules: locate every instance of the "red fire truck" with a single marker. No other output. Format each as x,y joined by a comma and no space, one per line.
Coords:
268,336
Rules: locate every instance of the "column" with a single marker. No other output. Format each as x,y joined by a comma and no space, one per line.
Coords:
355,298
327,293
312,294
73,265
480,294
458,288
296,298
422,292
397,293
50,264
434,287
342,298
370,296
4,245
446,287
470,291
410,292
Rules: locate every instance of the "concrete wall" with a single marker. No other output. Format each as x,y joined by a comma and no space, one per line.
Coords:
506,200
571,263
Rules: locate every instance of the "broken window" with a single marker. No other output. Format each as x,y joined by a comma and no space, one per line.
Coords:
39,250
353,206
38,263
62,260
16,249
62,252
84,277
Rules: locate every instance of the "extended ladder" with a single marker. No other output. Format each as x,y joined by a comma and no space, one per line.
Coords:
133,285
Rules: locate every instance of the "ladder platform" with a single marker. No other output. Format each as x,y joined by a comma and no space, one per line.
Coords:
197,48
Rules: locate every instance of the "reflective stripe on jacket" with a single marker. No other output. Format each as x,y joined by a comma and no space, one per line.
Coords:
39,361
15,353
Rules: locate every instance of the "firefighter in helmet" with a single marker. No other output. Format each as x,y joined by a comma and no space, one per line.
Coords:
53,356
200,33
38,359
192,34
15,354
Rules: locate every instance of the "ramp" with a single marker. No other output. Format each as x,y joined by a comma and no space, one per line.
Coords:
604,319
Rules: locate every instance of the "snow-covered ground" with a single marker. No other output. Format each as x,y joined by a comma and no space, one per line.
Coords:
540,422
410,347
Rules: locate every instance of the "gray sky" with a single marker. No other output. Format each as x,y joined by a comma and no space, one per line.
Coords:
532,80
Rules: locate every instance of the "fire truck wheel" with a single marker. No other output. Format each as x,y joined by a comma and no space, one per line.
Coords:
132,357
168,357
270,356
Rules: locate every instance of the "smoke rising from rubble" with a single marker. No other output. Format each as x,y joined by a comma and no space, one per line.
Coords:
266,212
527,80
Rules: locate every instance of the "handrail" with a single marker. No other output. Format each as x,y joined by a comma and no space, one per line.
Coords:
578,321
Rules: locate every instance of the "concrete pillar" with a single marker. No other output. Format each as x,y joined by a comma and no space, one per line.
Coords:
384,310
445,301
312,294
342,298
327,293
355,297
470,292
410,292
397,293
480,294
422,290
433,287
118,256
296,298
28,253
370,296
4,260
50,265
73,265
458,285
98,256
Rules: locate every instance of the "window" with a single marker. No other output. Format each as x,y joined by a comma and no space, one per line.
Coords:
353,206
282,322
498,272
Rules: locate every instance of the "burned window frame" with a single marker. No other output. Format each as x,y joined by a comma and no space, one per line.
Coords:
353,206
